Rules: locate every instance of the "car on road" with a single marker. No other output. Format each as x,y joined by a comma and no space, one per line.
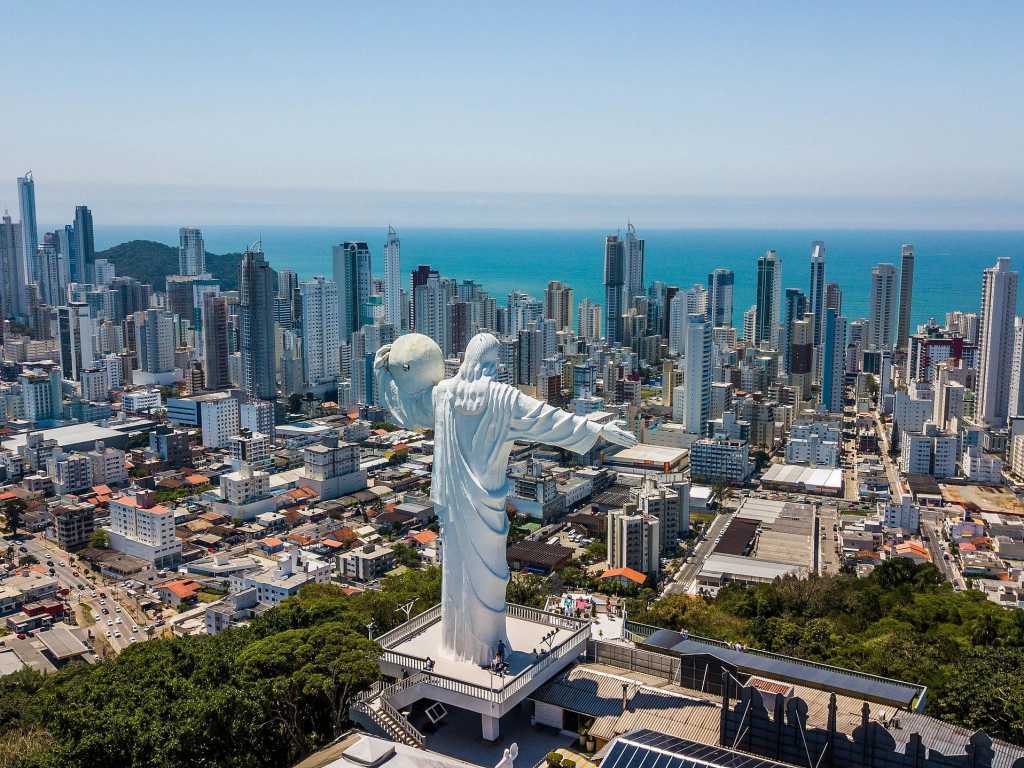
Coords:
109,633
23,548
117,635
93,593
110,622
22,636
49,562
134,629
75,574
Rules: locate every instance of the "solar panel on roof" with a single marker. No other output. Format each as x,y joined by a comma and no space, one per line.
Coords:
649,749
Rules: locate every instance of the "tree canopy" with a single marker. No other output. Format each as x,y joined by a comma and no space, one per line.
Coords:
262,695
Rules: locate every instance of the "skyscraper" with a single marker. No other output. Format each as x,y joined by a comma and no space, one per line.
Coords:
589,323
833,361
154,341
85,244
12,271
214,321
995,342
430,302
393,279
750,324
697,374
906,295
29,232
834,298
882,307
801,354
558,304
49,273
795,306
720,284
256,318
633,270
320,342
352,275
614,287
191,252
769,297
816,296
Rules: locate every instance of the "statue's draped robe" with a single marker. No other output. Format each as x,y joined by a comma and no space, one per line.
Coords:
468,488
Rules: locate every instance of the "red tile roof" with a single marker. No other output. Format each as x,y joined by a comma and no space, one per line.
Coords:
423,537
629,573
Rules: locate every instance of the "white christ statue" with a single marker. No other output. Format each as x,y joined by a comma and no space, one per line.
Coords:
476,419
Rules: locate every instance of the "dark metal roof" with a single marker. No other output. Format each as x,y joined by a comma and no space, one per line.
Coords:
881,690
737,538
647,749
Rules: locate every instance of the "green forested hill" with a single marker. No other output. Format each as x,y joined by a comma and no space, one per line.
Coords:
152,262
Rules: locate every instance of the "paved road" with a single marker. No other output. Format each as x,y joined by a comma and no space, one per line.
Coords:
931,527
828,560
689,571
81,588
891,471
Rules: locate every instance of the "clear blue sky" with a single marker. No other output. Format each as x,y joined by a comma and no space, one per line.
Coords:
547,113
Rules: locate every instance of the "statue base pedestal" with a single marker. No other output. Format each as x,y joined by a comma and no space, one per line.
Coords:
541,645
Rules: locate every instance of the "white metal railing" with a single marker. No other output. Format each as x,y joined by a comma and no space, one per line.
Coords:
402,723
409,628
548,618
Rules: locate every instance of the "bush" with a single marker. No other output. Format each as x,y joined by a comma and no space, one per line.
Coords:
553,759
568,763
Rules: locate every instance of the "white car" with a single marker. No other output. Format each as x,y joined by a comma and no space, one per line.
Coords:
110,622
93,593
134,630
117,635
117,608
118,621
108,633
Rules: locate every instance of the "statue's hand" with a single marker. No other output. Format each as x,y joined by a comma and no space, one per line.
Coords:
614,434
380,360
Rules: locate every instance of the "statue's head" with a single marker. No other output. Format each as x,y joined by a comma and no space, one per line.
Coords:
415,363
481,357
479,366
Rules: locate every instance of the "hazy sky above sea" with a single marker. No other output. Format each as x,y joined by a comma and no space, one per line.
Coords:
518,114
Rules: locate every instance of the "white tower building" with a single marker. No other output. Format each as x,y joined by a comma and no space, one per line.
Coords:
995,342
320,328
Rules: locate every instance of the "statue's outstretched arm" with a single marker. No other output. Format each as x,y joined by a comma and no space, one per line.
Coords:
539,422
410,411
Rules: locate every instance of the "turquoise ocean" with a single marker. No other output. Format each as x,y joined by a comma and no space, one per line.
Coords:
947,274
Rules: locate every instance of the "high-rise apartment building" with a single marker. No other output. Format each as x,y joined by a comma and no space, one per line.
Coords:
697,374
834,297
353,276
906,295
769,297
588,324
320,342
256,317
430,302
833,361
633,268
85,244
614,288
214,319
393,279
816,297
720,288
750,324
29,230
191,252
558,304
12,271
995,342
794,308
882,307
154,341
